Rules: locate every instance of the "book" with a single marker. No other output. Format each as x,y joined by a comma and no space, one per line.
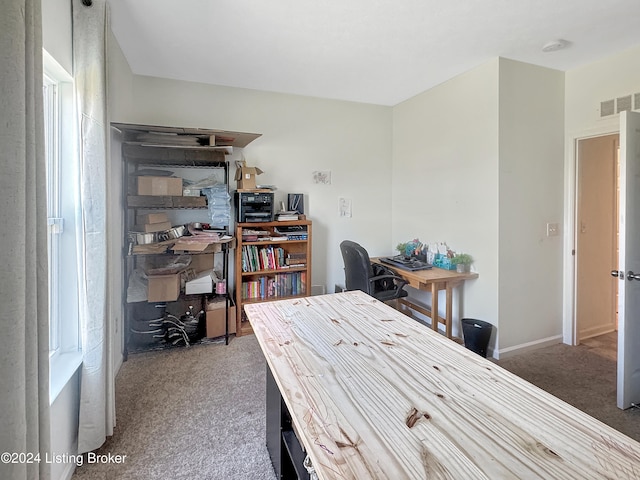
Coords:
287,215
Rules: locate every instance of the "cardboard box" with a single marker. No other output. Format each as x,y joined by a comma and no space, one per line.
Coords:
246,176
160,186
153,227
203,283
203,262
163,288
152,218
215,321
184,245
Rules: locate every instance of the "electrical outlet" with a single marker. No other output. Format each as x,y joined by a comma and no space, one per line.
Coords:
552,229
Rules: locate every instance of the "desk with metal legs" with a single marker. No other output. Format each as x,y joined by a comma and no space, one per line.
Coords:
432,280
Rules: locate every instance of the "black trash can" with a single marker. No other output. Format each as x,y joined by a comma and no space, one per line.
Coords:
476,334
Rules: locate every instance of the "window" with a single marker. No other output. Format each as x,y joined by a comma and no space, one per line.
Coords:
54,220
62,167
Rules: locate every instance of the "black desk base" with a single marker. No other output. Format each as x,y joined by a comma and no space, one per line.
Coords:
287,455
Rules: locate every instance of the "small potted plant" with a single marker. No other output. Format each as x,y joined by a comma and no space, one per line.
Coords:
410,249
463,262
402,248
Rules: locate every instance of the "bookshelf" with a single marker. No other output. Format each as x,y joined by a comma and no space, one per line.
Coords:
273,262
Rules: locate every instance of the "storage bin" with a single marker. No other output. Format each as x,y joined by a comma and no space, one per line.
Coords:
442,261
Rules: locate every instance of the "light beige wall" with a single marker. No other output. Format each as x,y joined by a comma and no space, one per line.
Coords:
300,135
478,163
56,31
445,178
119,81
531,195
119,100
585,87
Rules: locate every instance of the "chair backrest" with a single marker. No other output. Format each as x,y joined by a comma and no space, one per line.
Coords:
357,266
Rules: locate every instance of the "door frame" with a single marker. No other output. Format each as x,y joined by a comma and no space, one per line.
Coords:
611,162
569,324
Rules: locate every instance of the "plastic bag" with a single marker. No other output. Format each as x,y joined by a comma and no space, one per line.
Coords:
219,205
137,287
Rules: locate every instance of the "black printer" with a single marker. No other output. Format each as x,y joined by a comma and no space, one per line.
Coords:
254,206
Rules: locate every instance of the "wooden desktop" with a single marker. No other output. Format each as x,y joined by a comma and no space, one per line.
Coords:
367,393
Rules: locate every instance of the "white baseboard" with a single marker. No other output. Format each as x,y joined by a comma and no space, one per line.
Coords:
318,290
526,347
596,331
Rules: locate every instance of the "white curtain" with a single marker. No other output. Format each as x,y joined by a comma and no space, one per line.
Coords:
97,402
24,340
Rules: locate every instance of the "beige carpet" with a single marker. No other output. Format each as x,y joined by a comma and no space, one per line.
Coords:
583,376
189,413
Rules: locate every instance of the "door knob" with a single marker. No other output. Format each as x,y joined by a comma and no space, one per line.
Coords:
619,274
633,276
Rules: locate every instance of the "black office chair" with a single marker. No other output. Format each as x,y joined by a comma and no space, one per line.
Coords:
373,279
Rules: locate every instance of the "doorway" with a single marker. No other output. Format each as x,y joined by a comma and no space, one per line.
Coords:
596,240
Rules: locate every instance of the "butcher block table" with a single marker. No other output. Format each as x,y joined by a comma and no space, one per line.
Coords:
372,394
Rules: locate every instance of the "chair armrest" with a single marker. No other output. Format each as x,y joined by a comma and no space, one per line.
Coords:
399,281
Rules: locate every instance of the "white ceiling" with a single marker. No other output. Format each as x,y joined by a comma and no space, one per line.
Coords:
372,51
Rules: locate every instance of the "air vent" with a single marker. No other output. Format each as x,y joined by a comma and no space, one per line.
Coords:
607,108
623,104
620,104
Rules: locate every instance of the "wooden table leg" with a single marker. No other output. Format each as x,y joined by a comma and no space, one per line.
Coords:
449,314
434,306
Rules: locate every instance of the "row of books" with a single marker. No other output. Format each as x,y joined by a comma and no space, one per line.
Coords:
278,285
255,259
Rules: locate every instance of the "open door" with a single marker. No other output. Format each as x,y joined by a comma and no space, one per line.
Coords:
629,263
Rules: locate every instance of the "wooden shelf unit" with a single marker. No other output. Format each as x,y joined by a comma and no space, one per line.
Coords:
280,279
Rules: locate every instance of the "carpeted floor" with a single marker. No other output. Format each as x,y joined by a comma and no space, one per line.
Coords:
199,413
189,413
583,376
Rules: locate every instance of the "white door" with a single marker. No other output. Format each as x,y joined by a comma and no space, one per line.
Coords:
629,262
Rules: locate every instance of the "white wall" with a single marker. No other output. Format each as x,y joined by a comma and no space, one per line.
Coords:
445,179
300,135
478,163
119,94
64,427
585,87
531,195
56,31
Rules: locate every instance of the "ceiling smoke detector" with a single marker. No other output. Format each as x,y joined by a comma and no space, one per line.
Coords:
555,45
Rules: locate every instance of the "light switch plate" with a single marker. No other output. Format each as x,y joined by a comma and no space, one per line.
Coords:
553,229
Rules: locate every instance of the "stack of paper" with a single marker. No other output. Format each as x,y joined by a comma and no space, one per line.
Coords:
203,283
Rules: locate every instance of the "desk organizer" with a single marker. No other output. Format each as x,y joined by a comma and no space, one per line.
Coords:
442,261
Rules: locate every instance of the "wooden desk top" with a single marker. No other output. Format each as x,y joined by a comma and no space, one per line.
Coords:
429,276
376,395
